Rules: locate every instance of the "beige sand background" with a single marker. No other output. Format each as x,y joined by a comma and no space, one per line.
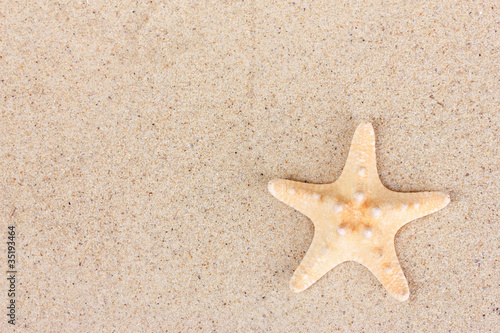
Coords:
137,140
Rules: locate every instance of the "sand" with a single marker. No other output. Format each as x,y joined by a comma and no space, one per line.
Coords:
137,140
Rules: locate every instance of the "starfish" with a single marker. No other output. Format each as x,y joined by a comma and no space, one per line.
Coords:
355,218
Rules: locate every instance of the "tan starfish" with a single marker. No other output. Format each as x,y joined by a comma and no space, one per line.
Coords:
355,218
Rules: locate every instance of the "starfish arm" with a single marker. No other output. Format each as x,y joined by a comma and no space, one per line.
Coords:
388,271
411,206
302,196
318,260
361,164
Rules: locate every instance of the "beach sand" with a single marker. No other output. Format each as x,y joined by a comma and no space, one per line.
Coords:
137,141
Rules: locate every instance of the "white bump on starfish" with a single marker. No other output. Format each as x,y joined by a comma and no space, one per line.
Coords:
338,208
367,232
376,212
341,231
359,197
355,221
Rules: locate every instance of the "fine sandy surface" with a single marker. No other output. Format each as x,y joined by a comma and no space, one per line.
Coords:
137,140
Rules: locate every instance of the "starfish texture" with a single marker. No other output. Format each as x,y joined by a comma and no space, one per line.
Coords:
355,218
